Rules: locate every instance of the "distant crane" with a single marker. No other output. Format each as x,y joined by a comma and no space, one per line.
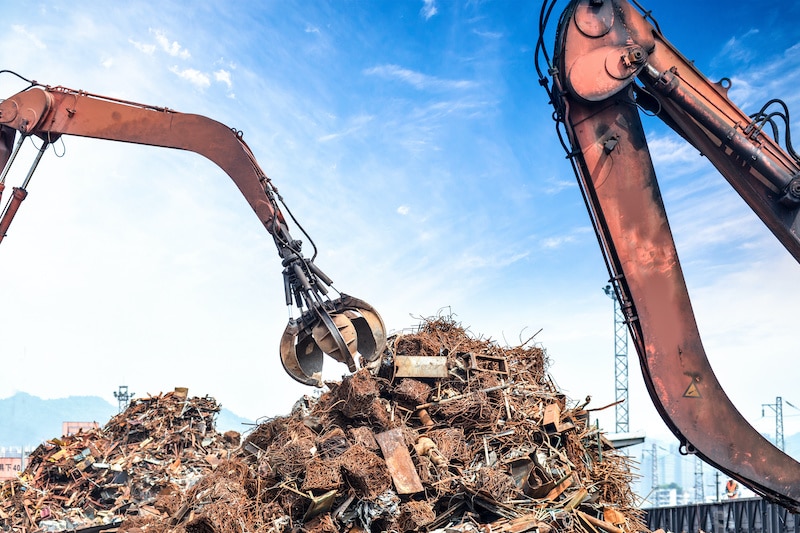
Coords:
620,364
123,397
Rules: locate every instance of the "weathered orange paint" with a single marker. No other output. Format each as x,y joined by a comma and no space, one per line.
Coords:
598,62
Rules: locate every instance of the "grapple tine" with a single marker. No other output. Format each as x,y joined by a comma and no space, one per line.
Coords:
370,333
301,357
336,336
340,329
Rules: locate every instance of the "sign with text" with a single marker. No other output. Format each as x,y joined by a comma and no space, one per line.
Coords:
10,467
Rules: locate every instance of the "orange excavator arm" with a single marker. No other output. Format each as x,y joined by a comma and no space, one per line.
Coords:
608,61
341,328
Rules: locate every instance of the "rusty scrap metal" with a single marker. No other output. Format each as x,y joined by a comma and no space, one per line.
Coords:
398,461
420,366
154,450
360,458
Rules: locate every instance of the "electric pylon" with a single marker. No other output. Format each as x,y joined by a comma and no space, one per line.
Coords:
620,364
123,397
777,408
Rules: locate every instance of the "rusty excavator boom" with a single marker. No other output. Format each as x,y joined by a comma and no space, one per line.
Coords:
609,60
344,328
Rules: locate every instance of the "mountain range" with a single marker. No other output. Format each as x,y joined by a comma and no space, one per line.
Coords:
27,420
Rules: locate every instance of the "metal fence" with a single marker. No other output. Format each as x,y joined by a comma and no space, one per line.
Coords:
747,515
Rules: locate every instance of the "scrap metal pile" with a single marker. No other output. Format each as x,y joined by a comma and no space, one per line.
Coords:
451,434
152,452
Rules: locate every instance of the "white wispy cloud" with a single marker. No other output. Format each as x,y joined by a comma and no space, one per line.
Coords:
29,36
403,210
416,79
429,9
491,261
763,77
555,186
673,154
356,124
223,76
488,34
193,76
148,49
171,47
557,241
737,49
726,229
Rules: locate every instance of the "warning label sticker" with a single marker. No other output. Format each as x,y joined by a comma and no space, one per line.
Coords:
692,391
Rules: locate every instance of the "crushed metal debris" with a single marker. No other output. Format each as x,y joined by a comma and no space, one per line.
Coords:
140,463
475,438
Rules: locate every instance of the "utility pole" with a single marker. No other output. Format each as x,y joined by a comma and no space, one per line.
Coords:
777,408
620,363
123,397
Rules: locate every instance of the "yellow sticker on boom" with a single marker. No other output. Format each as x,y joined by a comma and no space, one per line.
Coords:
692,391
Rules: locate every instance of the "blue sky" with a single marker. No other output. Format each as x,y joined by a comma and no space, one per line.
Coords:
413,142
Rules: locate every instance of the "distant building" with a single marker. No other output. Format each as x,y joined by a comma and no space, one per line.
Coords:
71,428
670,496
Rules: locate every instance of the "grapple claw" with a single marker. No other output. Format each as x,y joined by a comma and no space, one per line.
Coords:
341,329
